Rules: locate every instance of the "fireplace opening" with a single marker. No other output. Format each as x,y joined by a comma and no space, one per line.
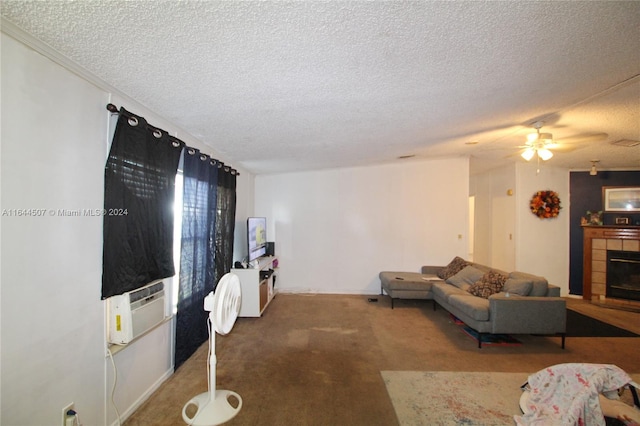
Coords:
623,274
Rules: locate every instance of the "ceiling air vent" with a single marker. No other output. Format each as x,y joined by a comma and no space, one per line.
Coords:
626,142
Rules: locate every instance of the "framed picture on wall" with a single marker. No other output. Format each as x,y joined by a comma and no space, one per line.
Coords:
621,198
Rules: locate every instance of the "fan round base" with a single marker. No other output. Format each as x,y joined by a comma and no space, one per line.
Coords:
212,412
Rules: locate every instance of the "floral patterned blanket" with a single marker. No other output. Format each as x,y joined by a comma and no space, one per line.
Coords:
567,394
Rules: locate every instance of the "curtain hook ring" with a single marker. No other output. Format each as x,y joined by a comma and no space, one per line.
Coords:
133,121
157,133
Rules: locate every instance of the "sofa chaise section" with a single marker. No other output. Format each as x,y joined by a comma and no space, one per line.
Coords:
409,285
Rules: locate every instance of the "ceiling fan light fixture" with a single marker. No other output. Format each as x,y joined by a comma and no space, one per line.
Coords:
545,138
538,137
545,154
528,154
537,144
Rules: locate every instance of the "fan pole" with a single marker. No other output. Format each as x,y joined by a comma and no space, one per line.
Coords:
213,361
213,407
217,406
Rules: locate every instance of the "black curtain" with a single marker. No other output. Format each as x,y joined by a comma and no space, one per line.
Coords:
197,254
138,205
225,221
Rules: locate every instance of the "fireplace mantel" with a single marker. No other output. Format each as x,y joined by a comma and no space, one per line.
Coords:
597,240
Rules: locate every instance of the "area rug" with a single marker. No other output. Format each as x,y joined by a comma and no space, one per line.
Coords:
579,325
454,398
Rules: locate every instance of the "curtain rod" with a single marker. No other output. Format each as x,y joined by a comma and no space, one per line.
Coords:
115,110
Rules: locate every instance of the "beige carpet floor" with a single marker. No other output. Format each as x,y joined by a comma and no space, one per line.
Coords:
317,359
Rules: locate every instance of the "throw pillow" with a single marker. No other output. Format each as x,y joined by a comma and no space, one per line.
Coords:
516,286
467,276
491,283
455,266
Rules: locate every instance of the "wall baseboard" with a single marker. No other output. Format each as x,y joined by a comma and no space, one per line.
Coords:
146,395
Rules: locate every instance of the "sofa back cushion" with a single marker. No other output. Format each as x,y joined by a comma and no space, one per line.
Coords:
539,284
467,276
491,282
455,266
483,268
518,286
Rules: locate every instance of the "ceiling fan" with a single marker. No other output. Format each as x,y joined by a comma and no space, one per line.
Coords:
538,144
542,145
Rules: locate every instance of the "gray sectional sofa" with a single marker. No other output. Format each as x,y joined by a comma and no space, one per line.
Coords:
485,299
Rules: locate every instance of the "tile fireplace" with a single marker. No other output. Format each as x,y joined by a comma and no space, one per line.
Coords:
611,265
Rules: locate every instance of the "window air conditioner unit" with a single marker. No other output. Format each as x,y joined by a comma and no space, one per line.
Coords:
134,313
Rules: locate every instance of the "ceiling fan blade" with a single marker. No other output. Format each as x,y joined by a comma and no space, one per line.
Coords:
583,138
557,147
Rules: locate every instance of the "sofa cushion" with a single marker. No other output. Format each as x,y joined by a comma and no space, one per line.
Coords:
474,307
540,284
483,268
406,281
455,266
467,276
442,291
517,286
490,283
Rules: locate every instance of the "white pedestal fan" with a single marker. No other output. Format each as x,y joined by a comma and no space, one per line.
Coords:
214,407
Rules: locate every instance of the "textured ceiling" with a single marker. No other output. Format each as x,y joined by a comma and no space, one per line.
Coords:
288,86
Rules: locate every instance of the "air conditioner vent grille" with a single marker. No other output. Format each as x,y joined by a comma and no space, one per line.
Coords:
145,292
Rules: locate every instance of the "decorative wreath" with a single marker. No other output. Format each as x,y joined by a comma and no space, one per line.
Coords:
545,204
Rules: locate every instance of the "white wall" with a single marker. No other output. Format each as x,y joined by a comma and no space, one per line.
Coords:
503,254
495,218
508,236
244,209
55,137
335,230
52,316
480,187
542,245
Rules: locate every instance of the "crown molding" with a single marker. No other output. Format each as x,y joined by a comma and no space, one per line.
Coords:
12,30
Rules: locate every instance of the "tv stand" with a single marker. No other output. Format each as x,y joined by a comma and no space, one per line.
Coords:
258,286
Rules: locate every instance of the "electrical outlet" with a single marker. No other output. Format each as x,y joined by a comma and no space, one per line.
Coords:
64,413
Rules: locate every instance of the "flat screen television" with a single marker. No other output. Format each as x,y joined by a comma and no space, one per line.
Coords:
257,237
